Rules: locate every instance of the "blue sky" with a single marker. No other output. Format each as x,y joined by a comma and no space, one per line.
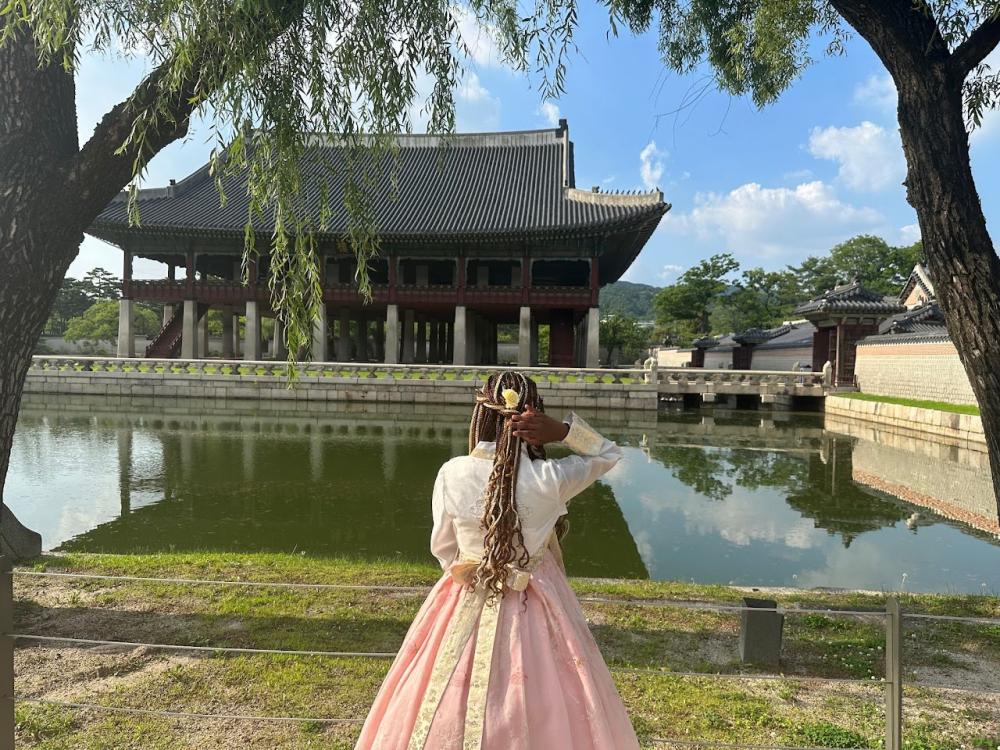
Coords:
771,186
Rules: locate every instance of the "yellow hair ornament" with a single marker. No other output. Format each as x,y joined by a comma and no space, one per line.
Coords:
510,397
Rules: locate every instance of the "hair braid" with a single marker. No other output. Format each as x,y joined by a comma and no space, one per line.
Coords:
503,541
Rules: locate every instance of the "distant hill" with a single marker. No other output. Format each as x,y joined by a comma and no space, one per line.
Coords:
626,298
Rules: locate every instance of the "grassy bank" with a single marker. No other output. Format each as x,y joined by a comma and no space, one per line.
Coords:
937,405
634,636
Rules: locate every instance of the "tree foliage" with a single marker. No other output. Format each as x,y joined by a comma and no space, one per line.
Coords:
100,322
762,299
624,338
628,298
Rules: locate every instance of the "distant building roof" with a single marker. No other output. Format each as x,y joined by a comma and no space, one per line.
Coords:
918,278
920,324
460,188
795,335
849,299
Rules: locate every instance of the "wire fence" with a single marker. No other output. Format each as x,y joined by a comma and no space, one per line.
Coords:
891,682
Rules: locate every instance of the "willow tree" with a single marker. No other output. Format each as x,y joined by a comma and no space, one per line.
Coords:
935,52
263,74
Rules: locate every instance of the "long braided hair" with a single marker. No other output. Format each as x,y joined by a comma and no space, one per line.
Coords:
503,542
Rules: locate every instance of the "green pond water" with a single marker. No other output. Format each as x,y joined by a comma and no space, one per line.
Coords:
724,497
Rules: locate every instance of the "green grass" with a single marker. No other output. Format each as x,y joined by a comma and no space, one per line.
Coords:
631,637
936,405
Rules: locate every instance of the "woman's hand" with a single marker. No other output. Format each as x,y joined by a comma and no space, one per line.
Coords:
537,428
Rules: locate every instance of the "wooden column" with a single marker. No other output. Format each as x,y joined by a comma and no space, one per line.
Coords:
189,278
392,278
595,286
127,275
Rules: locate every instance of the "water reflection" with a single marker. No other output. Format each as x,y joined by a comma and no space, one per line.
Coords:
734,498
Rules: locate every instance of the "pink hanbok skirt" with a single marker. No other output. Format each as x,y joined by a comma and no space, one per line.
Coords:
548,686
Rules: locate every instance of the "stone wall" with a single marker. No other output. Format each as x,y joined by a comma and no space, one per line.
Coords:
574,395
782,359
930,371
949,428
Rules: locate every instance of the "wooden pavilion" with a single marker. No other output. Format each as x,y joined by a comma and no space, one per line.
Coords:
476,231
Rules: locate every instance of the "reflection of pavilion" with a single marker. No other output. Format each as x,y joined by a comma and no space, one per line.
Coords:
340,485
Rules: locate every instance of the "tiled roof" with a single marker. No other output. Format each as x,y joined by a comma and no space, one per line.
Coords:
923,323
918,277
848,299
791,336
518,184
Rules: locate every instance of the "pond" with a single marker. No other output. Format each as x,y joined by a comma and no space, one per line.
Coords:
736,497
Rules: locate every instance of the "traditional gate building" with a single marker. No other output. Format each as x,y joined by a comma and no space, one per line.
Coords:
476,231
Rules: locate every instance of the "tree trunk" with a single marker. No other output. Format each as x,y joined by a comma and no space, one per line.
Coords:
961,258
960,255
38,236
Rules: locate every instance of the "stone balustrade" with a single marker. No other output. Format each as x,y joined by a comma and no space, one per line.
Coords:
564,387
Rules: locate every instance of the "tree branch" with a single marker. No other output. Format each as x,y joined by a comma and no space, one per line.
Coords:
980,43
98,172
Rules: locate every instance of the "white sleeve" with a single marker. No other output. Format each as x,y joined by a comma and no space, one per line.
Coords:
444,543
596,456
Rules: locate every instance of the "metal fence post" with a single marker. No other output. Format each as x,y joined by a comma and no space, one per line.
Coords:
6,654
893,675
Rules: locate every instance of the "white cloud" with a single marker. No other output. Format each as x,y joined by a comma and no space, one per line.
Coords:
477,39
550,112
651,165
870,157
774,223
877,91
909,234
476,109
669,270
470,89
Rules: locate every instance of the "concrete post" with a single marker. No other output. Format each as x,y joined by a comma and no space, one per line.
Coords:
421,354
344,336
320,345
362,337
203,336
458,338
524,338
227,334
408,347
168,314
594,337
251,349
126,328
391,334
189,337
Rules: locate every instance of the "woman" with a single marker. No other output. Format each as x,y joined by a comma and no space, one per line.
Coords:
499,656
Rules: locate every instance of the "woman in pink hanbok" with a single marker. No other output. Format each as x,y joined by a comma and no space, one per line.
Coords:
500,656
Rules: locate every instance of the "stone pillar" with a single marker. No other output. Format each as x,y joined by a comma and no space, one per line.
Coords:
594,337
236,334
189,337
227,335
524,332
408,348
391,334
421,355
320,342
278,350
362,337
434,329
168,314
203,336
449,342
459,340
251,349
344,335
126,328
